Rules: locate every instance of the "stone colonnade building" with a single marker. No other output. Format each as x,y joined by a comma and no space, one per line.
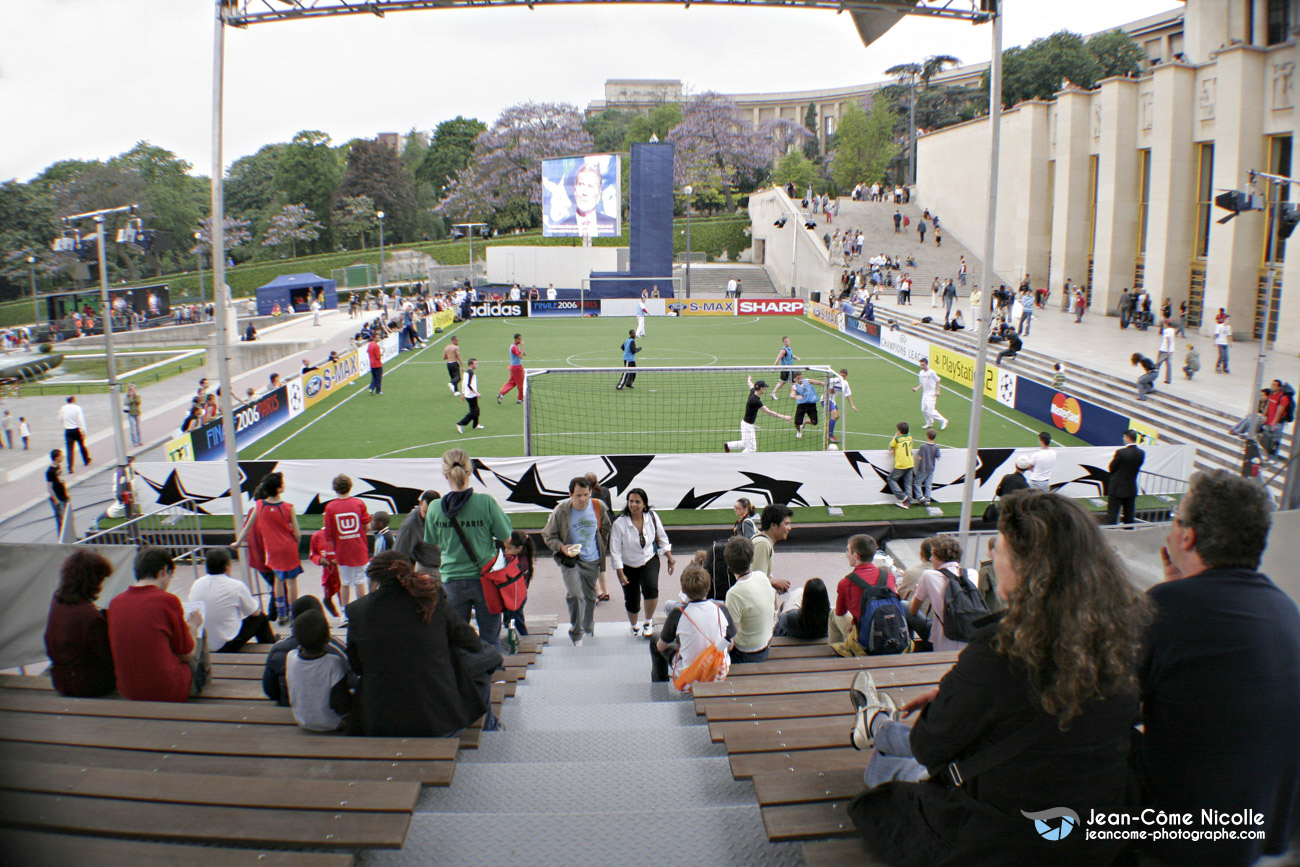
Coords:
1114,187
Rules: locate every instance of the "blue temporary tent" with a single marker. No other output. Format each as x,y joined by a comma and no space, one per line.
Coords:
294,293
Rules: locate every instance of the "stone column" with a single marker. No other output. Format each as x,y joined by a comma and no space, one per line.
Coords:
1172,212
1117,191
1070,202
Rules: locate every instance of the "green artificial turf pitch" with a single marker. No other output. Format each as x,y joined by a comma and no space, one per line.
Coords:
416,414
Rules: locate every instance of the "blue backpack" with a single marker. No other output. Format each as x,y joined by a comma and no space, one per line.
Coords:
882,619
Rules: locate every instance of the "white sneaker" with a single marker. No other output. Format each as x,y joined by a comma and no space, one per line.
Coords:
480,427
636,630
867,702
648,629
944,426
798,435
459,429
577,642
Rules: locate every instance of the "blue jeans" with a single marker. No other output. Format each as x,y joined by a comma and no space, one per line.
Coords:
740,656
133,424
900,483
893,759
377,380
921,487
466,595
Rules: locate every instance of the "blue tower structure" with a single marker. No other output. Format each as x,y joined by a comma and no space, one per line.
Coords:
651,218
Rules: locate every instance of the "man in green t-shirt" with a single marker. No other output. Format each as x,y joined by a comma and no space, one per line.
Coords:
900,480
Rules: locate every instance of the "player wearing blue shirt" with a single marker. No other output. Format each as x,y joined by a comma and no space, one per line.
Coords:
805,400
630,349
785,358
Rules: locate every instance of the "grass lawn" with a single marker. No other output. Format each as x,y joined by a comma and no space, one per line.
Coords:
415,416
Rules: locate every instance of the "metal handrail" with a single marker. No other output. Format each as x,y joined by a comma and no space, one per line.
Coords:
174,527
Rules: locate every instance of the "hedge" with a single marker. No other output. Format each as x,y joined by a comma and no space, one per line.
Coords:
710,235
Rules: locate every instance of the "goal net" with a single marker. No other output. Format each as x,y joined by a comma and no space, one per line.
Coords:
575,411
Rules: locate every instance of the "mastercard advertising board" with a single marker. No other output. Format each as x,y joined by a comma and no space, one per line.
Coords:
1088,421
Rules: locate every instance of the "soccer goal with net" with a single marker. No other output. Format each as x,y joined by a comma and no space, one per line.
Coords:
666,410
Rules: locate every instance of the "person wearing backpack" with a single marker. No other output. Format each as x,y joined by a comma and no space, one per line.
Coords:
1278,413
953,594
1018,729
690,629
870,597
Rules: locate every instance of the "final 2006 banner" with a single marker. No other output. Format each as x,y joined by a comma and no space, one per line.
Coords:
672,481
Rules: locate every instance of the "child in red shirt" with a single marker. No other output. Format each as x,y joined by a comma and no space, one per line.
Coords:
345,523
322,554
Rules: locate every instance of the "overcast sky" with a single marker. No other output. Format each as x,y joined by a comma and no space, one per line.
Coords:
87,79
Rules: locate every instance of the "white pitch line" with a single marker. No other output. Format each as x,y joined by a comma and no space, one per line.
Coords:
900,366
308,425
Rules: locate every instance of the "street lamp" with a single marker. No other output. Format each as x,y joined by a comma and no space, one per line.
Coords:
380,215
198,249
36,308
688,190
469,232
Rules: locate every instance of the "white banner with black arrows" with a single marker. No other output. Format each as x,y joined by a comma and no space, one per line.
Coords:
672,481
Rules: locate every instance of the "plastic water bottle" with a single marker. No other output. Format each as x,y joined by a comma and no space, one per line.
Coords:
512,638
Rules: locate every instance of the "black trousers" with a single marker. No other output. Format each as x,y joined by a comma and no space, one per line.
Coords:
72,438
471,416
1115,504
629,377
453,373
255,626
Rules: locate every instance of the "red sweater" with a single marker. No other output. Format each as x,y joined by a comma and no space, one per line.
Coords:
76,640
848,596
147,631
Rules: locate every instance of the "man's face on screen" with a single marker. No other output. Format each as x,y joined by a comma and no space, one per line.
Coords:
586,190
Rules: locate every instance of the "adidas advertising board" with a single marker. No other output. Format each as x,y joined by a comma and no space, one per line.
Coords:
498,309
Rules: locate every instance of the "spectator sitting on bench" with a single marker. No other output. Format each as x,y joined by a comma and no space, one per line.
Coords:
806,613
848,596
1219,666
1035,715
76,633
912,574
404,638
230,611
690,628
159,654
320,682
932,587
751,601
273,673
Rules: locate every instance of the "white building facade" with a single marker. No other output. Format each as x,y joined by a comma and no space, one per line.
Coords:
1114,187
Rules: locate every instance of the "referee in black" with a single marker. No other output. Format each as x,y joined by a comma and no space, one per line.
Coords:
630,349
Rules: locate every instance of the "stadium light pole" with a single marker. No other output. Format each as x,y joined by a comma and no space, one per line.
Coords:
688,190
36,307
198,243
986,280
380,215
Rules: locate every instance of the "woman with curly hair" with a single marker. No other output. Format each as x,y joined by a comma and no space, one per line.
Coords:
404,640
76,633
1030,729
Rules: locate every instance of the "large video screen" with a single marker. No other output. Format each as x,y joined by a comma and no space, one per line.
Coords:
581,197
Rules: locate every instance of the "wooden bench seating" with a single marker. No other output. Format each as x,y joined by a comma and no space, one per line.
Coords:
786,724
35,849
229,769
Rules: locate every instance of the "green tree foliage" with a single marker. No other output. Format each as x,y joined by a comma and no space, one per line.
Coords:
864,144
656,123
810,147
375,170
26,229
354,216
1038,70
449,152
608,129
174,200
250,184
308,172
1117,53
292,224
795,168
414,151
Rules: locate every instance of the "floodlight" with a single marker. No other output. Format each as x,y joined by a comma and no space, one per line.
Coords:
780,224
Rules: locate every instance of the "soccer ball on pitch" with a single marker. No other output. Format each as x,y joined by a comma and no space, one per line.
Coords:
832,448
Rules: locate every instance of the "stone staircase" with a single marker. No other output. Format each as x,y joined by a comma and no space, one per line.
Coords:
711,280
876,220
1178,419
597,766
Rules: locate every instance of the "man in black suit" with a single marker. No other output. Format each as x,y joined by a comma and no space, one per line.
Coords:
1121,490
587,219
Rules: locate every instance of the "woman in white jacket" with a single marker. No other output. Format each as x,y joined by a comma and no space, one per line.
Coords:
636,541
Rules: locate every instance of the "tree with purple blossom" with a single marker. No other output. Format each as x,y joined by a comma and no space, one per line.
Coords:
237,234
292,224
505,172
718,148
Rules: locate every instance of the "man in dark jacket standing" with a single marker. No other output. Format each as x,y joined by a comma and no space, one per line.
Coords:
1121,490
1218,673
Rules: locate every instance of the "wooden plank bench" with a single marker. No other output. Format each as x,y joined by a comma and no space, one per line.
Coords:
777,707
789,684
218,688
36,849
798,664
839,853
